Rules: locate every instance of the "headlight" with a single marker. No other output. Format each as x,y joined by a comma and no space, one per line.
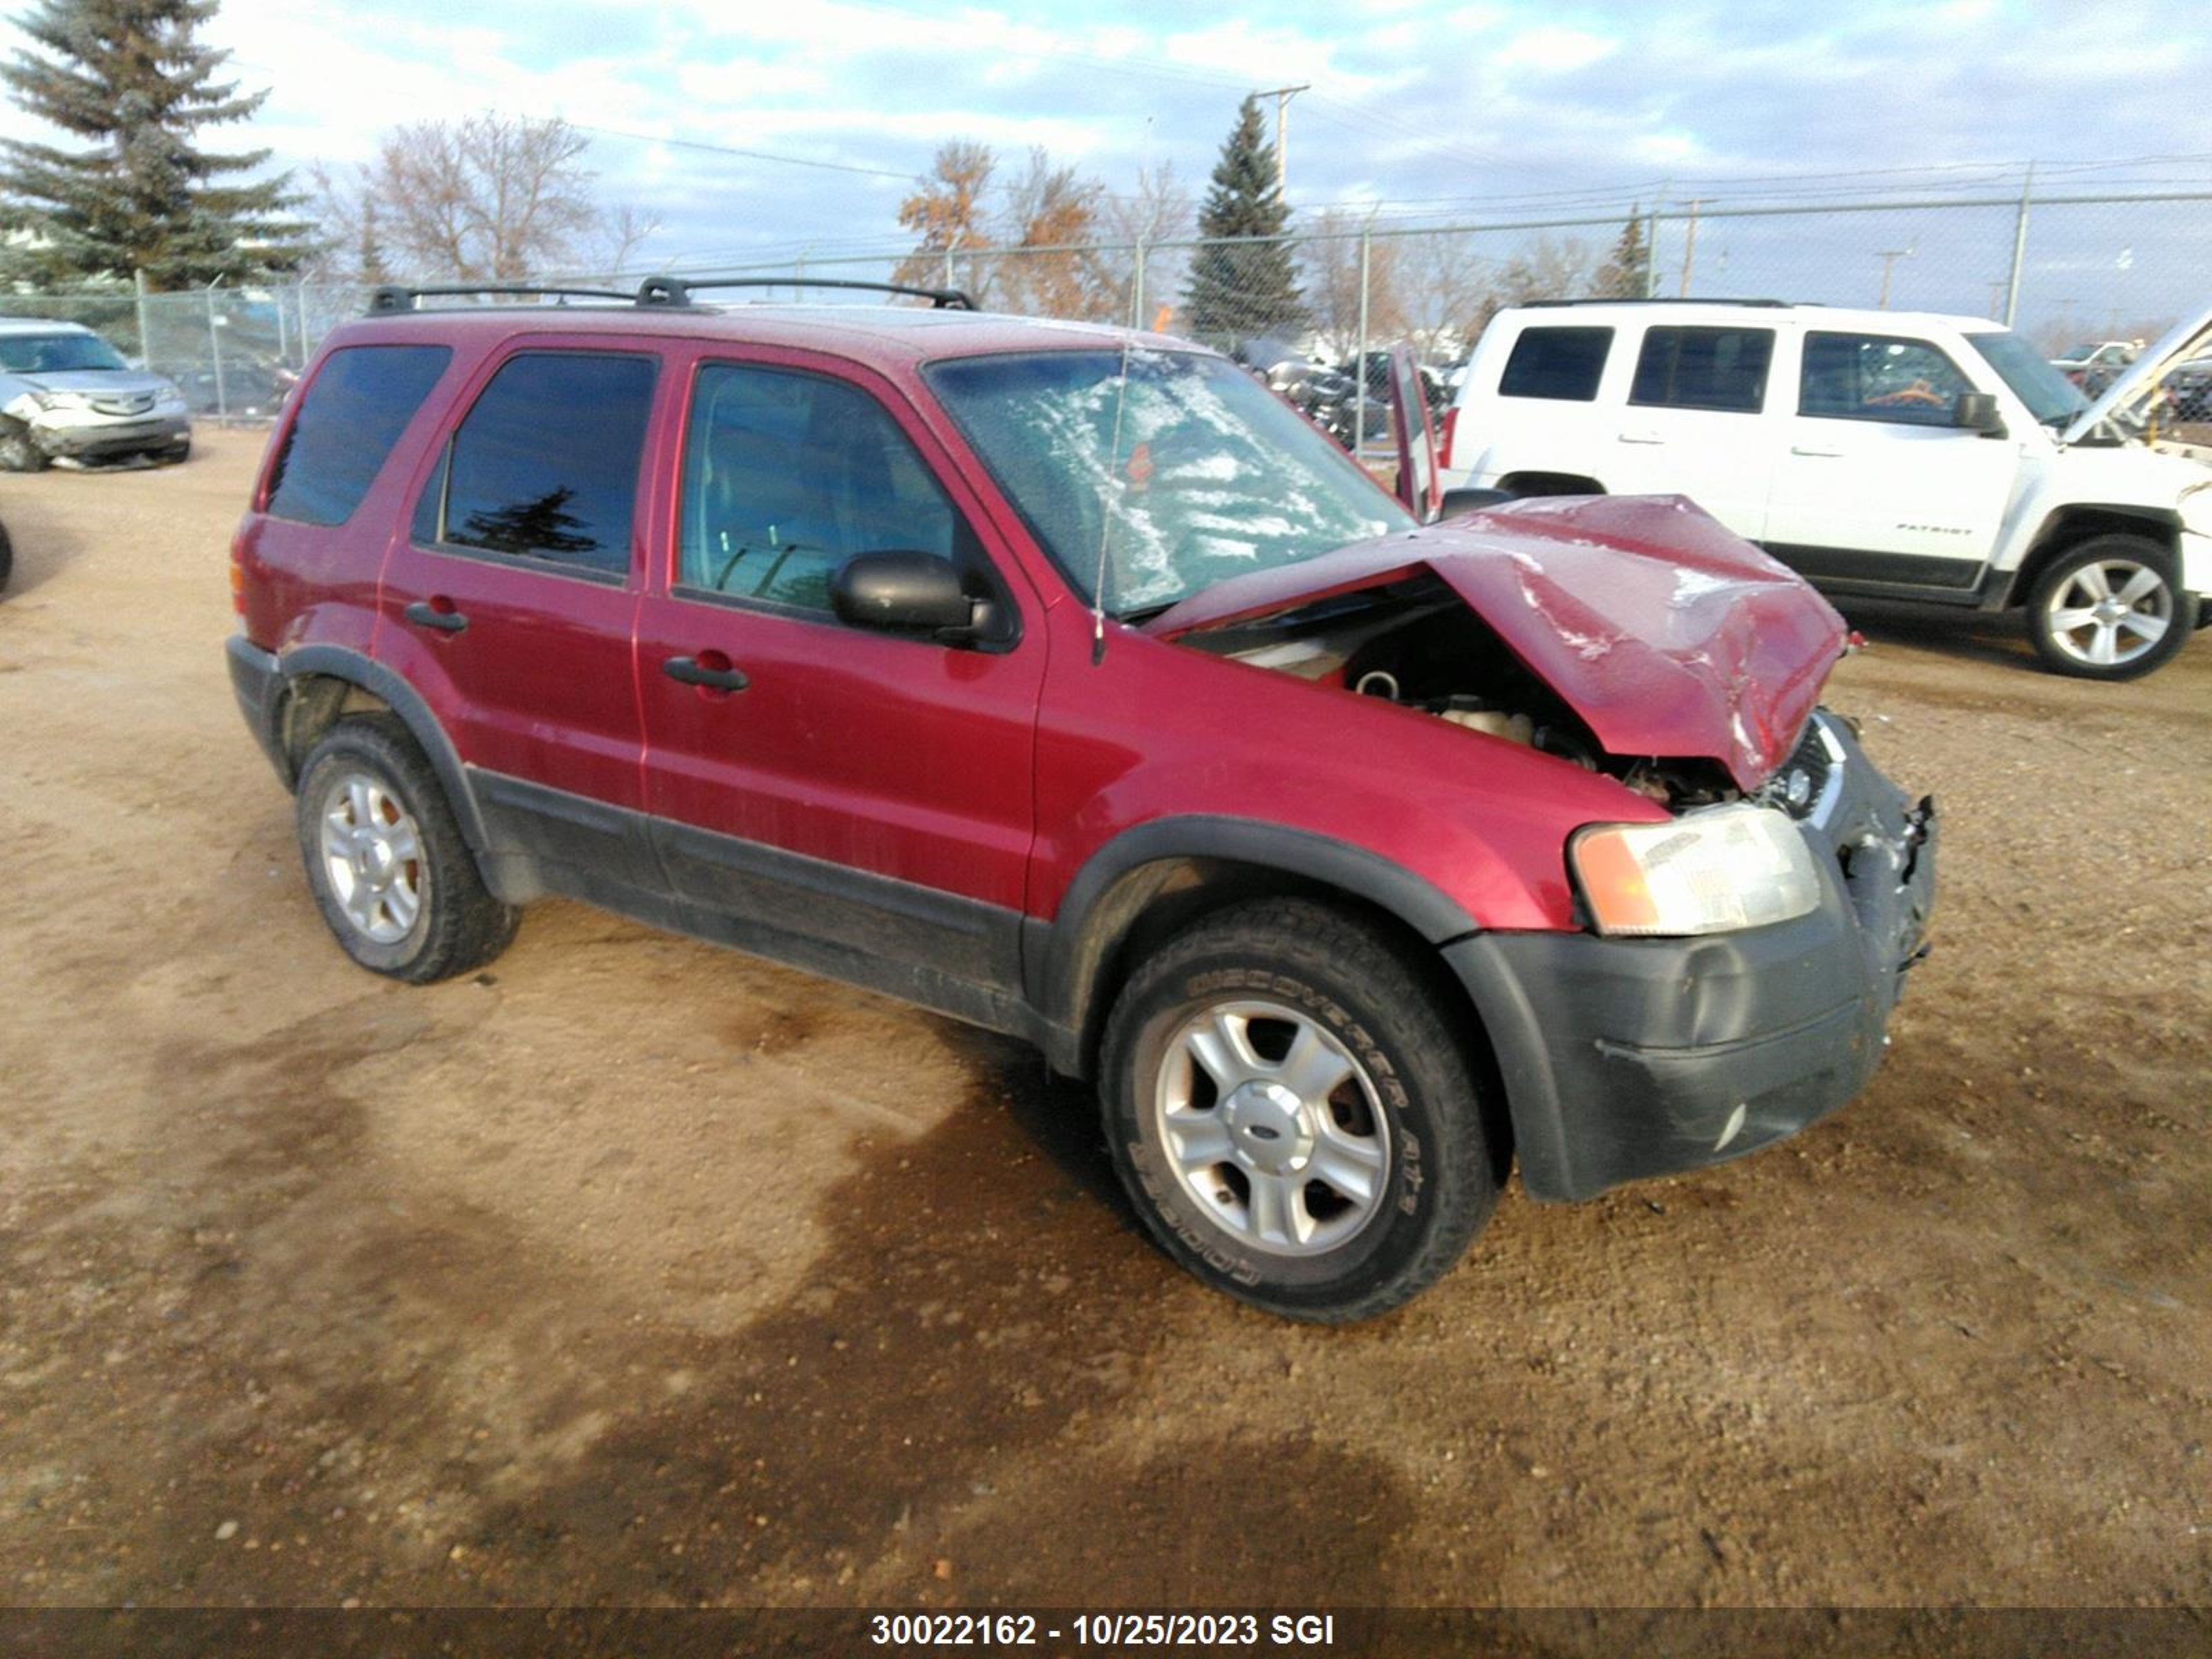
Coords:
1707,872
59,400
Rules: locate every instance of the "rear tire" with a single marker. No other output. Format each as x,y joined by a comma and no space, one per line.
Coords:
395,881
2110,609
1293,1113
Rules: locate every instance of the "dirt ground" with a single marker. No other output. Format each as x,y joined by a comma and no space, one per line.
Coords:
633,1272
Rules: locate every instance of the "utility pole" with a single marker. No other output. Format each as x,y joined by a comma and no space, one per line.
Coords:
1690,248
1889,257
1282,95
2019,247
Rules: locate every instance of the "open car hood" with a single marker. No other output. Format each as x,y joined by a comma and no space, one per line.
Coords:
1668,635
2186,339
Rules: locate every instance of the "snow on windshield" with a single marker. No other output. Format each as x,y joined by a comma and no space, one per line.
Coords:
1178,474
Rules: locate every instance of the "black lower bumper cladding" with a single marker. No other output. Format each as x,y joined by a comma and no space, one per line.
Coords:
1630,1057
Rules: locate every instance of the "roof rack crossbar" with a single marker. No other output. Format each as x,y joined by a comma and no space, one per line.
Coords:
677,290
399,296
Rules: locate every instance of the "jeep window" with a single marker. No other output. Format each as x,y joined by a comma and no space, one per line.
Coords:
2049,395
786,476
1565,364
1878,377
359,402
1717,368
545,465
57,353
1178,473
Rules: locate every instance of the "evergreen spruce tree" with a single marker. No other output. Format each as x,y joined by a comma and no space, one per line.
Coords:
1238,292
127,77
1626,273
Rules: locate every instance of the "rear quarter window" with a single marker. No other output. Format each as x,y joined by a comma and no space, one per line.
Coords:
354,409
1562,364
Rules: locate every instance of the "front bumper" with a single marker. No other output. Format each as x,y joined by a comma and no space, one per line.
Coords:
82,436
1623,1058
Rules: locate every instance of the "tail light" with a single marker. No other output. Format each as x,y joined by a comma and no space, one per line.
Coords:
238,573
1444,443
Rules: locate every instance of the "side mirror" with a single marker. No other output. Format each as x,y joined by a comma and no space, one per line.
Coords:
1458,503
905,591
1976,412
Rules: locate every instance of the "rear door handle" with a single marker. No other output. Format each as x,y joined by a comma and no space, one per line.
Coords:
1807,449
439,614
1642,438
715,672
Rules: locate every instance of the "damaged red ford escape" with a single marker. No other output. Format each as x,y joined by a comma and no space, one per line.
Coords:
1065,681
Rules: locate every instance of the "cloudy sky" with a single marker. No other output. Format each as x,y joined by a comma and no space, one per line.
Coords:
1482,113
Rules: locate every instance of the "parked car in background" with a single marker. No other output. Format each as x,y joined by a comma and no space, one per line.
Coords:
66,394
1061,679
2095,364
1879,452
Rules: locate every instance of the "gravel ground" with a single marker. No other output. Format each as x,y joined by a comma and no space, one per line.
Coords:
631,1272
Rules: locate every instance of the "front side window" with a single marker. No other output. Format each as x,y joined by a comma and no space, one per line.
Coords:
1561,363
1878,377
1167,470
1716,368
787,475
359,402
545,465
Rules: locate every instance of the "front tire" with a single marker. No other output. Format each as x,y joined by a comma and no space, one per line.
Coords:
1293,1115
2109,609
395,881
19,450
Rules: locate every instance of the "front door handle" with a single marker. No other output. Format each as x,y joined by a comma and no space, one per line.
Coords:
1807,449
709,668
437,613
1642,438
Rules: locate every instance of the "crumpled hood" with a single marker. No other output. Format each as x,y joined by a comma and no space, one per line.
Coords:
1667,634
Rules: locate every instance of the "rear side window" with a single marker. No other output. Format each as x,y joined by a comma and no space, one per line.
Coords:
1721,368
545,465
360,403
1561,363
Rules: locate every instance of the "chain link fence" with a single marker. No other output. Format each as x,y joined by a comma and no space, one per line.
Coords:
2064,268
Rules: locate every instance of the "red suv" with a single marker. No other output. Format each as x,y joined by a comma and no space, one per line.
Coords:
1066,681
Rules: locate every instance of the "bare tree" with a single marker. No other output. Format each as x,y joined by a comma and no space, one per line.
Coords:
490,198
1159,209
1332,276
1450,292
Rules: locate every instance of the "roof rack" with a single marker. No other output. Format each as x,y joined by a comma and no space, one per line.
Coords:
396,296
1657,300
677,290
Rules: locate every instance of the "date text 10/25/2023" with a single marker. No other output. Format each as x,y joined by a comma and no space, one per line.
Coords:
1274,1631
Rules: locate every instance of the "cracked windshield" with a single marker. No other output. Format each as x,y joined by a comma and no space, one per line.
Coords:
1172,474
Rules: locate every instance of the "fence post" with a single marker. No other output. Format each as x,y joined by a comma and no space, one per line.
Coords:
1136,287
1359,357
145,334
2019,247
214,350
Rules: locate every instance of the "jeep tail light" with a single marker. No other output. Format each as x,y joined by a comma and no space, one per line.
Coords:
1444,441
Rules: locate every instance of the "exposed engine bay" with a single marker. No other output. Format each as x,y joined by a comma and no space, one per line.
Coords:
1416,644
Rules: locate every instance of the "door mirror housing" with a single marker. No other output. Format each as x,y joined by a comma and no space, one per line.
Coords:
1976,412
905,591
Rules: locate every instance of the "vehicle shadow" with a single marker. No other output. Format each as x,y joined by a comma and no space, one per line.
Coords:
1984,636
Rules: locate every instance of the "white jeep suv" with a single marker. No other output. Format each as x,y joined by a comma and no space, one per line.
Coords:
1886,454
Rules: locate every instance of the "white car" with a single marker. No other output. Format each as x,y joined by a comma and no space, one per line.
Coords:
1886,454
